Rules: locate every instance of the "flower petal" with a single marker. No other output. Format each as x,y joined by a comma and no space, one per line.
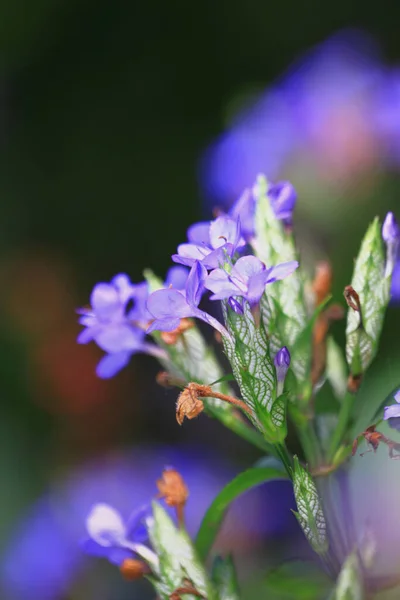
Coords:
105,525
176,278
219,283
110,364
391,411
281,271
87,335
136,529
224,230
247,267
397,396
199,233
167,324
195,284
105,301
119,337
168,303
188,253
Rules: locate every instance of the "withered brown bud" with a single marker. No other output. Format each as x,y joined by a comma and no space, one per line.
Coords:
352,298
173,488
171,337
353,383
322,283
189,404
132,569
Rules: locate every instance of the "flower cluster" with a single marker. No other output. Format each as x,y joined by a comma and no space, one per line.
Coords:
122,314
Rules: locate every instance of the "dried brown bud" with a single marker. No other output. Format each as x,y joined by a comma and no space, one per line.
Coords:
353,383
189,404
171,337
133,569
352,298
322,283
173,488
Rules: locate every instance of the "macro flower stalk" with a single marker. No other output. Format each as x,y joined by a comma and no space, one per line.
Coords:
274,325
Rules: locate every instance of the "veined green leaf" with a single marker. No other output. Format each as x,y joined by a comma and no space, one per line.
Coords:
224,578
369,281
213,518
310,515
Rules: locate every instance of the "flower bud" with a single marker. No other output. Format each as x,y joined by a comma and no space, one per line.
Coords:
283,198
391,237
282,364
188,405
235,305
172,487
132,569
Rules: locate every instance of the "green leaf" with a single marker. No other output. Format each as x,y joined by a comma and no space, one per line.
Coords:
224,578
296,580
177,556
336,370
249,355
373,287
214,516
350,584
287,314
310,515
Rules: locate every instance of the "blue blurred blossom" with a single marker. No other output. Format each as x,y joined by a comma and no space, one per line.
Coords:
392,412
43,556
338,102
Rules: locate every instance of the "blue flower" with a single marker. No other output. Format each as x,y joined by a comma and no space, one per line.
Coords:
210,243
111,538
117,322
391,237
392,413
244,209
169,306
247,279
283,198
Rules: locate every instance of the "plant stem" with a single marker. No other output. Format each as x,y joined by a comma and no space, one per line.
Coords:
344,416
284,455
310,443
233,421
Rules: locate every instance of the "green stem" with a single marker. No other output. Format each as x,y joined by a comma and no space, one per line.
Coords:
235,423
310,443
284,455
341,428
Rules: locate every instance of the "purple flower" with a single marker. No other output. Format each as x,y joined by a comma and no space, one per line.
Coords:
176,277
247,279
210,243
244,209
111,538
391,237
283,198
169,306
116,321
392,413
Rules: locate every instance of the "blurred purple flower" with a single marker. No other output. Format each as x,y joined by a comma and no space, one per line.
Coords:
111,538
338,102
244,210
210,243
43,557
169,306
247,279
283,198
117,322
391,237
392,413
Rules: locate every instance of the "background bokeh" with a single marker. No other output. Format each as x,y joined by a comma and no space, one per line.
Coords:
109,112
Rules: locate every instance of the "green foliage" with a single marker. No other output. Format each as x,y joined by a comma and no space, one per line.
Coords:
214,516
177,556
252,366
224,578
296,580
363,329
310,514
283,305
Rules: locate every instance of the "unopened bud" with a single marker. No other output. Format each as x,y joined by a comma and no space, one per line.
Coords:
132,569
283,198
172,487
282,364
189,404
235,306
391,236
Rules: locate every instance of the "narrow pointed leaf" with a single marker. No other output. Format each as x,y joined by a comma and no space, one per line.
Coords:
224,578
214,516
